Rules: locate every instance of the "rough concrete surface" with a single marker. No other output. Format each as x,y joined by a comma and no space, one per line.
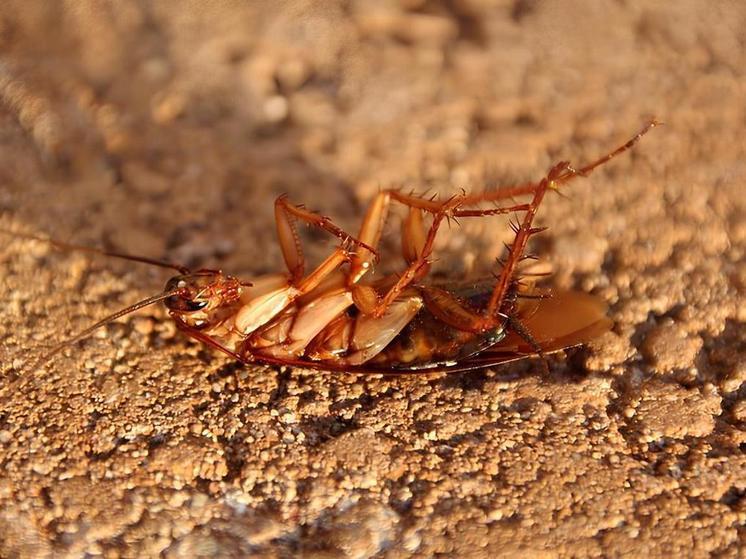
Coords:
168,129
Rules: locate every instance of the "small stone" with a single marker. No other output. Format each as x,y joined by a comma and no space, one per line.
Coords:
276,108
169,107
739,411
668,347
411,540
495,515
143,326
669,410
735,379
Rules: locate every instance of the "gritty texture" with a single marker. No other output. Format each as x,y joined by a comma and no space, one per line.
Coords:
168,132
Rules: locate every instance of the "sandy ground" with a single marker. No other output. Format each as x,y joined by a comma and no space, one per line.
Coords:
169,131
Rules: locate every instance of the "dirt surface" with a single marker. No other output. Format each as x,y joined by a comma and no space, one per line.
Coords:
168,131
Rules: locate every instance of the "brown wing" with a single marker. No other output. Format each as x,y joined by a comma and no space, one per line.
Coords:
566,319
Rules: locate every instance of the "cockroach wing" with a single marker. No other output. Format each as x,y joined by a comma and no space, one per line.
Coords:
566,319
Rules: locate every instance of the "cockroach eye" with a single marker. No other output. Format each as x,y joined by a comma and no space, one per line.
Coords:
195,305
181,304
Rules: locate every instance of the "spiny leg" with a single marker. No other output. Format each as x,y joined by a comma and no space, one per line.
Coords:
417,248
585,170
413,228
416,269
332,262
370,235
529,188
375,219
413,238
560,173
434,206
515,252
451,310
417,244
414,246
520,329
292,252
523,232
459,315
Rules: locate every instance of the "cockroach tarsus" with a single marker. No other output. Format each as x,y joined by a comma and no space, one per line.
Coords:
337,318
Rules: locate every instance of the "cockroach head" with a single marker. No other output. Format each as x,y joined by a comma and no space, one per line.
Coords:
200,291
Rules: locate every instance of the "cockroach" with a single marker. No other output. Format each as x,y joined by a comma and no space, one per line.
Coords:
336,318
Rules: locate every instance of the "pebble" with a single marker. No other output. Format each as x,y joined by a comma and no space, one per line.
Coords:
667,346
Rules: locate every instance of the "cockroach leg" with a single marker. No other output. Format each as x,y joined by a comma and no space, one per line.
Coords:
520,329
285,214
370,234
414,238
419,267
418,252
529,188
449,309
523,233
287,235
559,174
433,206
332,262
413,235
501,193
375,219
586,170
417,245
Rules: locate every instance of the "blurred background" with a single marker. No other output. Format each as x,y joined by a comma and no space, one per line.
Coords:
167,129
170,131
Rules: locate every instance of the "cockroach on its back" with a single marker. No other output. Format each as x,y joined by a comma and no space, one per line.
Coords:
336,318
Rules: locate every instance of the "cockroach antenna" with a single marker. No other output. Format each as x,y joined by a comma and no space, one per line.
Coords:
132,308
104,321
80,248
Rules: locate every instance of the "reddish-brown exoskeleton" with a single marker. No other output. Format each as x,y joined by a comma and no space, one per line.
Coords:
337,318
